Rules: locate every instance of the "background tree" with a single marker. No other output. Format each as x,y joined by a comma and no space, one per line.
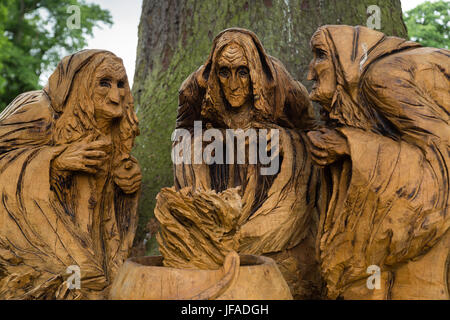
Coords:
34,35
175,37
429,24
3,42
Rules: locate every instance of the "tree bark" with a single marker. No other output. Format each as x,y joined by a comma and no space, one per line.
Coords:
175,37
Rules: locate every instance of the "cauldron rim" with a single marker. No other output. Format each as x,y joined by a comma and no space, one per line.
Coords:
246,260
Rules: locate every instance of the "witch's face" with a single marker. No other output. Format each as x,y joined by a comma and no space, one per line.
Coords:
321,71
110,90
234,75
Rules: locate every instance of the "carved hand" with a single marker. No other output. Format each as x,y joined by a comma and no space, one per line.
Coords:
82,156
327,146
127,175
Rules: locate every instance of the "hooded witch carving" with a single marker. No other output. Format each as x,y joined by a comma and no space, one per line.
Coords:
68,185
241,87
386,150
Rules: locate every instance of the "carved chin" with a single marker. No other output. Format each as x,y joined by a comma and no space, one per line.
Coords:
236,103
318,96
315,95
109,113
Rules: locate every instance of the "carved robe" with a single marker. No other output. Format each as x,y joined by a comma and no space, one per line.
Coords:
389,204
50,221
279,216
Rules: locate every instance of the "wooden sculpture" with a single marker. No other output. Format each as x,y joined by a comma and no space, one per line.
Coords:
198,228
241,87
385,149
68,185
242,277
198,242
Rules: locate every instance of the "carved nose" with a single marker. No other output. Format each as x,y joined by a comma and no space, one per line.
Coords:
234,84
114,95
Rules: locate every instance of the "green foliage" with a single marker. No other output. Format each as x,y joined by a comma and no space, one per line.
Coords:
34,35
429,23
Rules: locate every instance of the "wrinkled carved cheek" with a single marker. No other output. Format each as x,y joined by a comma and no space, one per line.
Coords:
225,86
321,71
98,100
245,87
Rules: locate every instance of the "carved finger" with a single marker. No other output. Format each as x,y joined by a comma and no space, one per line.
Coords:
275,152
129,165
325,130
133,189
320,162
121,174
318,144
128,183
128,189
320,153
316,140
92,162
94,154
88,139
269,145
87,169
98,144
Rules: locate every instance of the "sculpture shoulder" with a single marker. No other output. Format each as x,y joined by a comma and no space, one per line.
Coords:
190,97
28,106
408,63
191,86
27,121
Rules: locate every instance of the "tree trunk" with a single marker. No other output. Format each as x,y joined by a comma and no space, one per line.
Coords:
175,38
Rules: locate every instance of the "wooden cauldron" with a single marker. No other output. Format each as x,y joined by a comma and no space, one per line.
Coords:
242,277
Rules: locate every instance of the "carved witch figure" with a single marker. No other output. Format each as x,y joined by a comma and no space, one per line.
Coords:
68,185
241,87
386,152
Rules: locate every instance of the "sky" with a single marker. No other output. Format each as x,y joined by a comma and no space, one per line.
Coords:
122,37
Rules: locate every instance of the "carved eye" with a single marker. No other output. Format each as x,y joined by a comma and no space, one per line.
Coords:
320,54
243,72
121,84
224,72
105,83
